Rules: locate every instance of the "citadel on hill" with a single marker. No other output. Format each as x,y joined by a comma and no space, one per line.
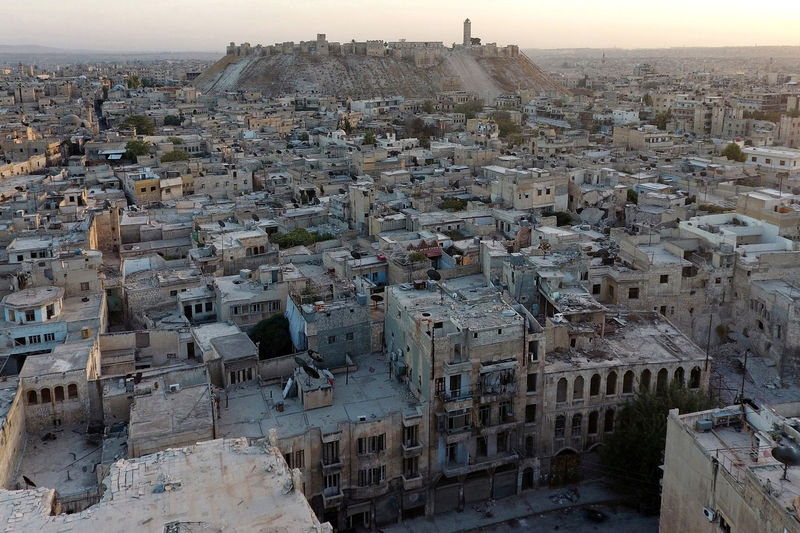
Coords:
422,53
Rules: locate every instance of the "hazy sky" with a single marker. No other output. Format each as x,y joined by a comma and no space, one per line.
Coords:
207,25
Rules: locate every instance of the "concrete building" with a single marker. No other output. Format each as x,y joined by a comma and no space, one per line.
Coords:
467,33
721,471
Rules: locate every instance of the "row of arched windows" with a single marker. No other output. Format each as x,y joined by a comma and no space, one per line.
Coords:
577,424
255,250
662,381
45,396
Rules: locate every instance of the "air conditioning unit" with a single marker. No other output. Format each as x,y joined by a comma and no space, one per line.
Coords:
175,387
709,513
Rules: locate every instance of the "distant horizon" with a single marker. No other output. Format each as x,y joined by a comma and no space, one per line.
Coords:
199,25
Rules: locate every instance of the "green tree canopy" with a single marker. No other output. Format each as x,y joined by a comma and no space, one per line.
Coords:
504,124
298,237
647,99
662,119
135,148
272,336
734,152
633,196
562,217
453,204
133,81
633,452
470,109
172,120
175,155
143,124
427,107
369,138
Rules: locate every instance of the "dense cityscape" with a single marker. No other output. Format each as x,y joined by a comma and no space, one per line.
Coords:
407,286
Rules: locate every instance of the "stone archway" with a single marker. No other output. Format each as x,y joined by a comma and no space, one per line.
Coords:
565,467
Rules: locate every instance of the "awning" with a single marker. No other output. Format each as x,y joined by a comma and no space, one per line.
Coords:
115,156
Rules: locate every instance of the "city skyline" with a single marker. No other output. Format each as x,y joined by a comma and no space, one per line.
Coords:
89,24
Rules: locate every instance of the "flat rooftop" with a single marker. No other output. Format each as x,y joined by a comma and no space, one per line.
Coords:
67,357
630,338
250,410
213,486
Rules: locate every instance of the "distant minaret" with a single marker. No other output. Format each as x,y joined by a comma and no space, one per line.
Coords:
467,33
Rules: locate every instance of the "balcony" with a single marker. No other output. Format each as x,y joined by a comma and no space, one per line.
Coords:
412,483
332,497
332,466
456,400
369,491
457,367
478,463
412,449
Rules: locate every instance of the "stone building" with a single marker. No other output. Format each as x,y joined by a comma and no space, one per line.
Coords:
721,473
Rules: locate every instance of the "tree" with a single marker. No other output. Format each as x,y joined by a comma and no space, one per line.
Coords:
272,336
662,119
647,99
175,155
633,196
453,204
303,136
470,109
172,120
734,152
143,124
562,217
633,452
133,81
504,124
133,149
427,107
175,140
369,138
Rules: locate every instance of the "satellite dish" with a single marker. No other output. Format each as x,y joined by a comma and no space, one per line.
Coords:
254,217
788,455
315,356
299,360
311,371
221,223
434,275
355,254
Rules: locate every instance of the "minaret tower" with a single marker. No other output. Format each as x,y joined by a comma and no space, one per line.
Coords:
467,32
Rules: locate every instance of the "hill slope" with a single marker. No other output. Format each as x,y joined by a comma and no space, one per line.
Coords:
363,77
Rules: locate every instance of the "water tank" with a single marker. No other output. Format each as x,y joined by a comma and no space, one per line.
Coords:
244,273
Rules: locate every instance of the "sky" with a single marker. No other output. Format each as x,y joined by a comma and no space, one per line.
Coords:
208,25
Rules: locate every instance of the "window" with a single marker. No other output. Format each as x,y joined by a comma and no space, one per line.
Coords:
577,389
561,391
84,286
331,339
559,427
152,188
502,442
371,476
198,308
332,481
644,381
330,452
532,378
45,395
410,436
664,278
255,308
59,393
455,385
20,341
173,293
411,467
608,423
627,383
611,383
594,385
485,415
30,316
49,337
34,339
439,386
533,350
592,429
33,398
299,459
577,425
12,317
694,378
596,288
530,413
374,444
348,336
72,391
633,293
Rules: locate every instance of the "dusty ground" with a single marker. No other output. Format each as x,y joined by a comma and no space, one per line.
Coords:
620,520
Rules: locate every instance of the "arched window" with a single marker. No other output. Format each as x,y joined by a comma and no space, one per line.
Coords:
561,390
577,388
72,391
561,421
577,425
248,252
592,430
611,383
46,396
608,423
33,398
694,378
59,392
644,382
679,376
594,385
627,383
261,249
661,381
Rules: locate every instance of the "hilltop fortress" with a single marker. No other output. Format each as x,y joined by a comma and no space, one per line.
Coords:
421,53
365,69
